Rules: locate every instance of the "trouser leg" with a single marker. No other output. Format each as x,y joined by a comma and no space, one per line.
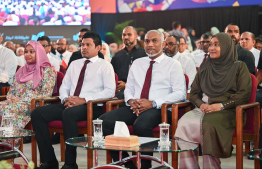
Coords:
143,126
40,117
188,160
70,118
124,114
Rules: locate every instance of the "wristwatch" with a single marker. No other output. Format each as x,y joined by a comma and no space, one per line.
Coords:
154,104
222,107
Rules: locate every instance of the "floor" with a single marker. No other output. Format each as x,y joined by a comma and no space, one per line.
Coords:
228,163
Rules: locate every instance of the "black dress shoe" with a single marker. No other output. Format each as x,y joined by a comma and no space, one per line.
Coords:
49,165
65,166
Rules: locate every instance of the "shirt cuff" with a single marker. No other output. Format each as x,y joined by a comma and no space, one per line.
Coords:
159,103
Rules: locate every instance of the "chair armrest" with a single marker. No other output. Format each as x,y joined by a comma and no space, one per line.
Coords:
48,100
239,117
164,108
3,97
175,107
90,104
116,103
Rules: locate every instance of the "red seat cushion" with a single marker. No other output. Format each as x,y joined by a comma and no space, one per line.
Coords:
59,125
130,128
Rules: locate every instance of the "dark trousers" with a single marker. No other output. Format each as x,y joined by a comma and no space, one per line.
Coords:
142,126
3,85
41,116
259,97
260,143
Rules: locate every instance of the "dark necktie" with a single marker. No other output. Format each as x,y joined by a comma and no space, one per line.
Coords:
147,83
205,58
81,79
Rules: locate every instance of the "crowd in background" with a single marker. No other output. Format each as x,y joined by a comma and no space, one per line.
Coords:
44,12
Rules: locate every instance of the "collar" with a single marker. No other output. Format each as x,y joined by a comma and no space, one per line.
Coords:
159,58
93,59
135,47
252,50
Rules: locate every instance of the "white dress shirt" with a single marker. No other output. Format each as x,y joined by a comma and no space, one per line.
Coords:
66,56
21,60
8,65
256,54
198,57
99,81
188,66
54,62
167,83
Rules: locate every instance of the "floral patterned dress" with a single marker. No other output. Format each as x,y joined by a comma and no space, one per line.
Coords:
24,91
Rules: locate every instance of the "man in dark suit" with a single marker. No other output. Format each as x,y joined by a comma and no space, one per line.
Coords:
77,55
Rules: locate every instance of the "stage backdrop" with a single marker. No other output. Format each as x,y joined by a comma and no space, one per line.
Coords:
23,34
201,19
127,6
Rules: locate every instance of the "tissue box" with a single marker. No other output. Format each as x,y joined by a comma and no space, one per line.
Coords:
112,140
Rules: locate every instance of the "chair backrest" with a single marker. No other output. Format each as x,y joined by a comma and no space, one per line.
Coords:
62,69
187,81
116,79
250,113
59,79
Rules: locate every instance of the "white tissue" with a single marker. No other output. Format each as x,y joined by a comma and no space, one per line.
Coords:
121,129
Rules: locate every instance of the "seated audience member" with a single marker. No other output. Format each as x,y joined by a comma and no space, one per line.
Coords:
192,35
20,56
151,81
8,66
200,56
247,41
45,42
72,48
259,80
124,58
10,45
258,44
186,62
183,48
89,78
188,39
17,45
243,54
214,30
34,80
77,55
20,51
63,54
106,52
114,46
176,25
221,84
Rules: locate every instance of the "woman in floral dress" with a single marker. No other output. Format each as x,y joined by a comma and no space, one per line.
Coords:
34,80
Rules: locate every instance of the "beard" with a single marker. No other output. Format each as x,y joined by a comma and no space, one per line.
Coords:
235,39
61,50
169,53
128,43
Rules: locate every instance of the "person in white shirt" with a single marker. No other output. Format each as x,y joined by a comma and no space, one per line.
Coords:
45,42
198,56
89,78
247,41
8,66
20,56
63,53
151,81
186,62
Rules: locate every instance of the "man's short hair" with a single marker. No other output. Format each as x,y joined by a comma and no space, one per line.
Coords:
206,36
176,24
84,30
182,38
95,36
252,35
176,37
258,40
42,38
132,28
158,32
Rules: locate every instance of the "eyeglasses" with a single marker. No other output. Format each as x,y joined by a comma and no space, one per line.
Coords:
182,44
171,44
45,45
203,42
60,44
